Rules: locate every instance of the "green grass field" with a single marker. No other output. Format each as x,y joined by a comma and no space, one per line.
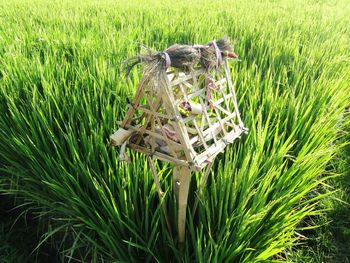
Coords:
62,87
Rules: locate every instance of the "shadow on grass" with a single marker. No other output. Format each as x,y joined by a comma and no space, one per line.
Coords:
19,237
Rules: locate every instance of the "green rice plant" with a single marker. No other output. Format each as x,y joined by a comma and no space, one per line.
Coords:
329,242
62,87
9,254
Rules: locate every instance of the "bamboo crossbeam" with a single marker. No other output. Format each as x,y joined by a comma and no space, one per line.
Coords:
186,77
212,128
160,115
132,108
162,130
223,110
156,135
163,157
224,97
229,80
200,135
192,87
189,118
142,130
189,97
217,148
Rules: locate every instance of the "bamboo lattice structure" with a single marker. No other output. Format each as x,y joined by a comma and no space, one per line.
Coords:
186,122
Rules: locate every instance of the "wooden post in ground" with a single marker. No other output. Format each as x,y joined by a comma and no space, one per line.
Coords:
182,181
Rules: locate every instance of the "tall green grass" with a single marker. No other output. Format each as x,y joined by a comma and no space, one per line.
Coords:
330,241
62,88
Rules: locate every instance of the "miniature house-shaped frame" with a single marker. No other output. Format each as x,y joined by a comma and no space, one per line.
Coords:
187,122
161,127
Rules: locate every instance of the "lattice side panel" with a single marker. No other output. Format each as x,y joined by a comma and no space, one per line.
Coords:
223,103
152,133
209,113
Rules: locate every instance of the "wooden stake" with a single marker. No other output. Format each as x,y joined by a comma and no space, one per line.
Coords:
184,179
176,182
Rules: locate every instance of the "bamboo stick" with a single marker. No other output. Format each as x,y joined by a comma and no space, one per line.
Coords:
184,175
154,109
176,182
229,80
163,157
160,115
200,134
212,128
162,130
132,108
224,97
179,126
186,77
178,146
217,148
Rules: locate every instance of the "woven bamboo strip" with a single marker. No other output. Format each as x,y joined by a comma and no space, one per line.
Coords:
217,148
223,129
219,101
137,98
200,135
199,131
179,126
226,102
212,131
229,80
190,86
195,94
162,130
186,77
142,130
215,126
160,115
156,135
202,102
161,156
189,118
192,117
223,110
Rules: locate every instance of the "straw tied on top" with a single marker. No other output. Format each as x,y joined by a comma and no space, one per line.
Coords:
183,57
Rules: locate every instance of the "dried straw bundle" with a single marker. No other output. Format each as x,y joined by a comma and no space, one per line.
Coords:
213,54
183,57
